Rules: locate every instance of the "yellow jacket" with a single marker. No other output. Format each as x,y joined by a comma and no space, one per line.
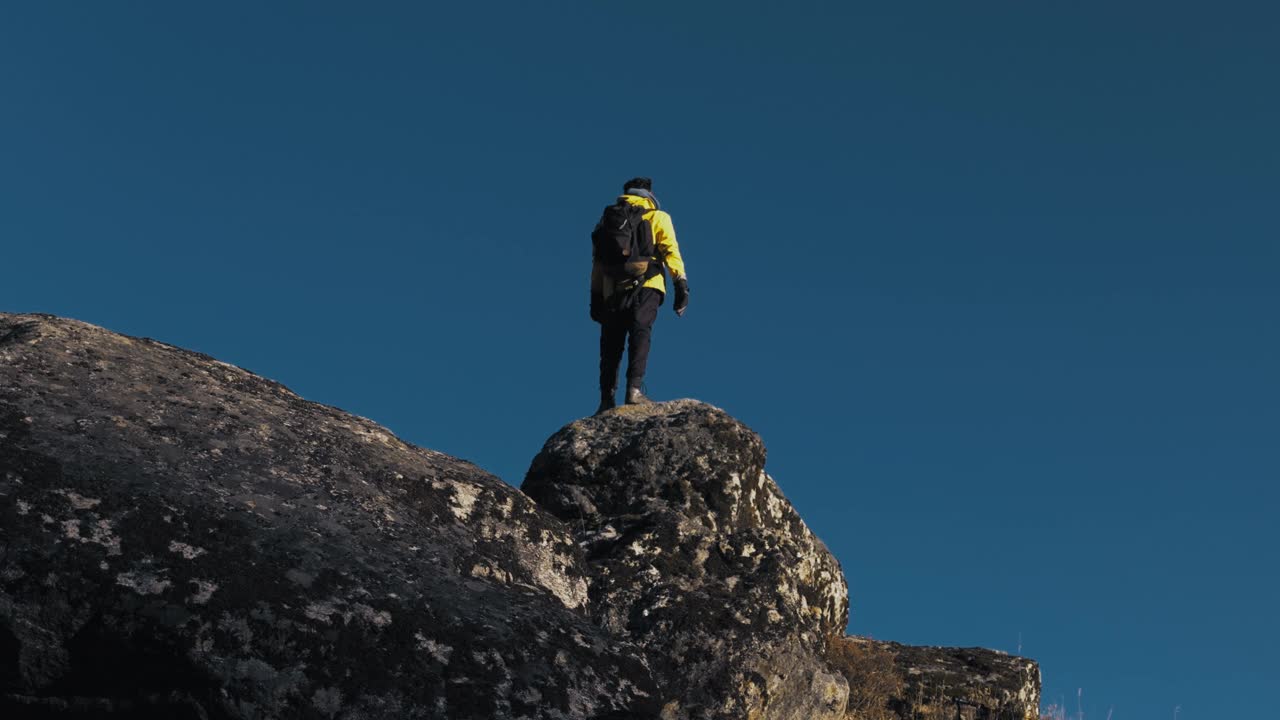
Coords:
664,248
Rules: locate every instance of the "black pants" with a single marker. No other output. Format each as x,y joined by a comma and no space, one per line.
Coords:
637,322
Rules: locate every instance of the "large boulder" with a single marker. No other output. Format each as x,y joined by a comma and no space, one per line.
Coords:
180,538
891,681
697,557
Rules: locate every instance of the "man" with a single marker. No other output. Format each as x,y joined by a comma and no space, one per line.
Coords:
625,312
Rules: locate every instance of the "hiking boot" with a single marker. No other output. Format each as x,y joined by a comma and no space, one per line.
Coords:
608,400
635,397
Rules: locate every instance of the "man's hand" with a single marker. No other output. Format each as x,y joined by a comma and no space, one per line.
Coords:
682,297
598,310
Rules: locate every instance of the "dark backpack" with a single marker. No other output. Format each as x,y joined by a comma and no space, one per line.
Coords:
623,244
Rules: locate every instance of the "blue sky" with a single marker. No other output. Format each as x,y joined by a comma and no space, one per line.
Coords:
996,282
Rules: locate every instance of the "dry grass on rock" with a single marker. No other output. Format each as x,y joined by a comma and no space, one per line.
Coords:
874,681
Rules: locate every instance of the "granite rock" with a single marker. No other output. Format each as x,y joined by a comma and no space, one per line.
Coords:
892,681
180,538
697,556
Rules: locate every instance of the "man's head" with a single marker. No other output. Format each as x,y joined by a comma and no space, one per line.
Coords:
639,183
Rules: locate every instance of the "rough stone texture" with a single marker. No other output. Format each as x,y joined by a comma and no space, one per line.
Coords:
180,538
942,683
968,683
698,557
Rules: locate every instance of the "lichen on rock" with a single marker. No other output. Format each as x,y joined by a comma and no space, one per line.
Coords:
697,556
892,681
180,538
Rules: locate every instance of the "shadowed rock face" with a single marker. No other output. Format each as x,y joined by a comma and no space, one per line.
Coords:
181,538
698,557
936,683
969,683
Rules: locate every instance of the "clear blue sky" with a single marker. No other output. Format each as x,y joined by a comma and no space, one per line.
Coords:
997,282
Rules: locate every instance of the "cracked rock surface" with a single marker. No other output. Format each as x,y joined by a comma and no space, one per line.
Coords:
696,556
180,538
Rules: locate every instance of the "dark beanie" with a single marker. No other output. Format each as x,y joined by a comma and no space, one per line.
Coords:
643,183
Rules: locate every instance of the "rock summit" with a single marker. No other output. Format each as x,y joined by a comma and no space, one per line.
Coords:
180,538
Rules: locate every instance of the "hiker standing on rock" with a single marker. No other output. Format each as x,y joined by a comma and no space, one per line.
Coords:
631,244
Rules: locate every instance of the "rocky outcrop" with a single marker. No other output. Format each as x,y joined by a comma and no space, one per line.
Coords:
698,558
183,539
895,681
180,538
969,683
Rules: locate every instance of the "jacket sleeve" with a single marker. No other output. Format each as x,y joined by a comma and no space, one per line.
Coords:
664,240
597,278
